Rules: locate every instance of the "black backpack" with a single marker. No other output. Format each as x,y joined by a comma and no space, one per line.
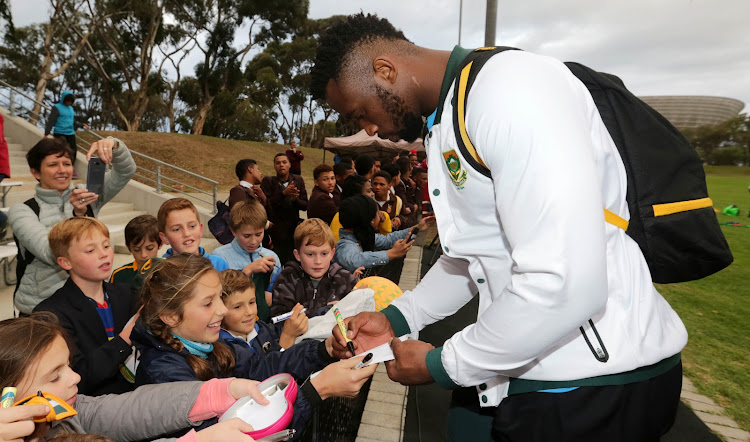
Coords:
23,260
671,217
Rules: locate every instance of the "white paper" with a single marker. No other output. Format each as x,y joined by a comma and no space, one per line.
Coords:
382,353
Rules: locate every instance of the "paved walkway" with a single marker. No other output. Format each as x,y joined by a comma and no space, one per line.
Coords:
385,410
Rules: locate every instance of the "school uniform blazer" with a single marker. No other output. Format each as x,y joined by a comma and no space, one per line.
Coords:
322,205
284,212
95,358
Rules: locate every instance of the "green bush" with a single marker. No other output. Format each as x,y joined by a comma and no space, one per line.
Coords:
728,156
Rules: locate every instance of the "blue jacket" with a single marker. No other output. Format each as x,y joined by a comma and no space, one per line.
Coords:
349,252
237,258
64,125
266,341
219,263
160,363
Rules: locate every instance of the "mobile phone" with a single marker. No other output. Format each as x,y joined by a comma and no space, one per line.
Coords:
95,176
414,234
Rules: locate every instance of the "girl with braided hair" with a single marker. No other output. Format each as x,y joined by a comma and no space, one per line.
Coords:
178,337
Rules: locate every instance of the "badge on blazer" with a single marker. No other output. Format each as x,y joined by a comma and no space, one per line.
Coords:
458,174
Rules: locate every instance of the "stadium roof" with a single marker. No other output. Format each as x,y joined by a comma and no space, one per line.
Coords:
688,111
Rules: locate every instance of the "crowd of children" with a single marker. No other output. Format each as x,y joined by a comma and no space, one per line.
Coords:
194,326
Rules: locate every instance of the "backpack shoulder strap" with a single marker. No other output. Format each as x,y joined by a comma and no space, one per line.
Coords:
28,256
33,205
24,259
468,72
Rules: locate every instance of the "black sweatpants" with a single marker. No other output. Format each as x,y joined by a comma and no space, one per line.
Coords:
71,140
638,412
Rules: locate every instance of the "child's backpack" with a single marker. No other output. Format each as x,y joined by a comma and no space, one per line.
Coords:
218,225
24,259
671,217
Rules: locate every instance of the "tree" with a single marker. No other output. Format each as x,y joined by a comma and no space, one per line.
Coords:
220,20
124,55
20,54
70,26
175,51
291,61
733,133
6,16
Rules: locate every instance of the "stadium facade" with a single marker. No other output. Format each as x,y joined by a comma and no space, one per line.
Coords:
688,111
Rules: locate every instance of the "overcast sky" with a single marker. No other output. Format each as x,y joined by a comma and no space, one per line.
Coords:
658,47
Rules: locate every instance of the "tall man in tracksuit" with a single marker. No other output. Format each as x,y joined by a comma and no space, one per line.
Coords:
61,121
572,341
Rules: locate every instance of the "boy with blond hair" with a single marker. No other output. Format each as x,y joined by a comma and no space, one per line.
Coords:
143,241
239,324
97,315
247,221
312,280
180,227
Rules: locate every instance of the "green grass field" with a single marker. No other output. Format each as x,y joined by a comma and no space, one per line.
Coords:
716,309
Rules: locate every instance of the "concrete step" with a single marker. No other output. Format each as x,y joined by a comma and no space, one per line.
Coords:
18,163
16,148
116,207
119,218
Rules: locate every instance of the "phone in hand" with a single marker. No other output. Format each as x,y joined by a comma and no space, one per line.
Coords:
414,233
95,176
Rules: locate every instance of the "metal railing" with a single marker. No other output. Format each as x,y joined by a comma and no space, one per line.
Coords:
21,104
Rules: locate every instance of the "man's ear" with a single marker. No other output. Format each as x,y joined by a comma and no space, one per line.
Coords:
64,263
171,320
296,255
385,69
164,239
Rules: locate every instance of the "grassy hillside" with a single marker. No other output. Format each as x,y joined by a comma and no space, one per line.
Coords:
212,157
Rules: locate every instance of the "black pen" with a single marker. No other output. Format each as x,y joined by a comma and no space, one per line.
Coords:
364,362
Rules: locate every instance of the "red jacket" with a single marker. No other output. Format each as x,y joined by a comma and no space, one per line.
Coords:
4,156
294,161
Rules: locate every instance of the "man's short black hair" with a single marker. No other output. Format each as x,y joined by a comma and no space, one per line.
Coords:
46,147
280,154
337,42
392,170
403,164
364,164
383,174
241,168
417,171
340,168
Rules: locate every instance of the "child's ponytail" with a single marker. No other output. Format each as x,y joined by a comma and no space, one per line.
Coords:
165,291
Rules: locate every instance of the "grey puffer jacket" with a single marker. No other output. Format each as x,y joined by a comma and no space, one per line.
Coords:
43,276
143,414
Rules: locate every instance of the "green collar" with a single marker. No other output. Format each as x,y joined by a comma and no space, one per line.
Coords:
454,62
